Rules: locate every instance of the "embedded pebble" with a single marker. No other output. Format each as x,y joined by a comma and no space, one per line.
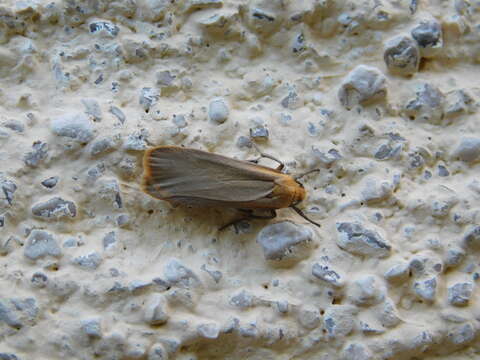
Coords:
88,262
426,289
218,111
328,275
50,182
428,104
102,146
285,240
177,273
358,240
74,126
459,294
54,209
366,291
92,328
155,311
356,351
92,108
428,35
339,320
37,155
362,85
208,331
468,149
398,273
40,243
402,56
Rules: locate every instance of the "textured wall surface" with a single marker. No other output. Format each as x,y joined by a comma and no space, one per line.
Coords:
382,96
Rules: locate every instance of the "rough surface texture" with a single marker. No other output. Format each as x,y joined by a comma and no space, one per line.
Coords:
382,96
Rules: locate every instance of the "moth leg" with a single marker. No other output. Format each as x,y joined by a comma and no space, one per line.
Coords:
249,216
267,156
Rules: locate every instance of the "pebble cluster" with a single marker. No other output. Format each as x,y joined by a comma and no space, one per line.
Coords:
382,96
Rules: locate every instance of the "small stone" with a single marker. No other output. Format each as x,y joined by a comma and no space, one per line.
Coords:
218,110
136,286
454,257
339,320
459,102
136,141
157,352
8,188
358,240
74,126
102,146
362,85
54,209
402,56
366,291
398,273
387,314
308,317
39,153
92,328
468,149
244,142
428,35
51,182
375,189
109,240
369,330
123,220
215,274
165,78
284,240
14,125
442,171
118,114
155,312
356,351
39,280
148,98
460,293
328,275
41,243
88,262
291,101
428,104
209,330
426,289
299,45
92,108
242,300
259,133
177,273
462,334
8,356
104,28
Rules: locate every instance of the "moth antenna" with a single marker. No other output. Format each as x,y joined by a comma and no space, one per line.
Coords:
300,212
128,186
262,154
305,173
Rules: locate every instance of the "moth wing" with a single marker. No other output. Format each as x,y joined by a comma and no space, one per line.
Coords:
175,172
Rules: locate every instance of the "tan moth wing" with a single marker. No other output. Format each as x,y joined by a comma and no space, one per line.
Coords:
197,177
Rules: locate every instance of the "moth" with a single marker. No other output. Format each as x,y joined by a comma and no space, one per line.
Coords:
198,178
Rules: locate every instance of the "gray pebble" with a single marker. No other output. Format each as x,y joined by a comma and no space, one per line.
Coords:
460,293
402,55
259,133
459,102
165,78
136,141
62,289
37,155
426,289
398,273
157,352
242,300
366,291
454,257
179,121
339,320
218,110
208,331
471,237
148,98
74,126
327,274
299,45
102,146
468,149
118,114
8,188
361,86
215,274
92,108
177,273
8,356
387,314
14,125
88,262
369,330
244,142
109,240
41,243
8,316
283,239
2,221
92,328
55,208
123,220
109,190
137,286
356,351
39,280
428,35
308,317
104,28
51,182
326,157
358,240
442,171
462,334
155,311
428,104
291,101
